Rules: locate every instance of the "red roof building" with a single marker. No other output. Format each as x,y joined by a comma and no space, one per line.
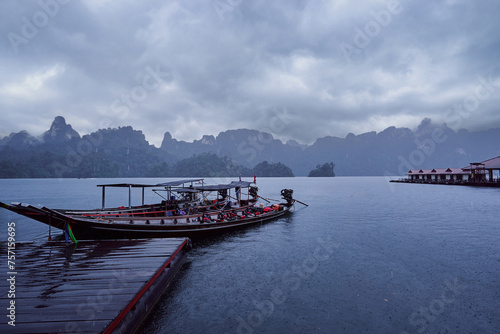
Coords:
477,173
438,175
485,171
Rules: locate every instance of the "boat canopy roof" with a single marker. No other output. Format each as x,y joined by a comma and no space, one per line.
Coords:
216,187
138,185
242,184
177,183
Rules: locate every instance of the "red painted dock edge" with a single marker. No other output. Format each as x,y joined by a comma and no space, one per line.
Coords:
132,316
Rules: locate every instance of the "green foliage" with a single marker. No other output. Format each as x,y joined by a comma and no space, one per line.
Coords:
272,170
123,161
27,165
208,165
324,170
161,169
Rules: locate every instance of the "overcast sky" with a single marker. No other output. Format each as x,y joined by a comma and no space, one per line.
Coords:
297,69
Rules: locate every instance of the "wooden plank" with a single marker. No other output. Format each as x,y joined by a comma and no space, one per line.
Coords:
65,327
83,291
118,263
84,288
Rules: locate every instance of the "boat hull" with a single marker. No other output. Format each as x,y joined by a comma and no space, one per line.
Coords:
154,227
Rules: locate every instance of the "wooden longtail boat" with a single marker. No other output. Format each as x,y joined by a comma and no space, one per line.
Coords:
186,211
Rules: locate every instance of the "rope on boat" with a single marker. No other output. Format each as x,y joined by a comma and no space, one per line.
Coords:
296,200
265,199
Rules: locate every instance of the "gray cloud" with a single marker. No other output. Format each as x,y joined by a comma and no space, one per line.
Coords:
300,70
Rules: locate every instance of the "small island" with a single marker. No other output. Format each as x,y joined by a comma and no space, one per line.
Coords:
272,170
324,170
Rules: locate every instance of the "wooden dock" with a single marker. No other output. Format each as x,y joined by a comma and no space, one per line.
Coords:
89,287
492,184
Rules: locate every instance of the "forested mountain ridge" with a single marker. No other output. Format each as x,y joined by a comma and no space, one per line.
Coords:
125,152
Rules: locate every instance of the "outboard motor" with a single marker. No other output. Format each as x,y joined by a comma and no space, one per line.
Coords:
287,195
253,191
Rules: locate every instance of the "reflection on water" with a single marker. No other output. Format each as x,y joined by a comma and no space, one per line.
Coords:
365,256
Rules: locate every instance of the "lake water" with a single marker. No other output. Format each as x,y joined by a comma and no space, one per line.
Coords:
366,256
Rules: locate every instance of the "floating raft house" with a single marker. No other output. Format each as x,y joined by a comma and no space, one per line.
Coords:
485,173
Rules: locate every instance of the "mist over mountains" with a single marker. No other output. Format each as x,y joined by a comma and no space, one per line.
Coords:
125,152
